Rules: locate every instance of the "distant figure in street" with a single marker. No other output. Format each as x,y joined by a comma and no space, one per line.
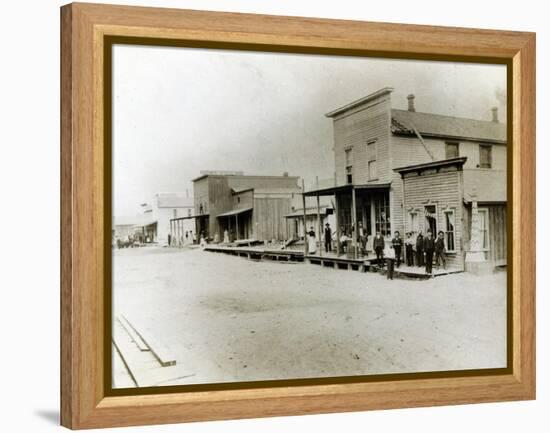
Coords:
419,250
429,247
389,253
363,237
440,250
202,240
192,236
397,244
409,246
225,236
378,244
311,242
328,238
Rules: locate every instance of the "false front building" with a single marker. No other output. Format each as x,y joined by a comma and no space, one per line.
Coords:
247,207
409,171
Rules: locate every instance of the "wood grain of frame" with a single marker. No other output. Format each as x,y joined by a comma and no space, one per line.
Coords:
84,29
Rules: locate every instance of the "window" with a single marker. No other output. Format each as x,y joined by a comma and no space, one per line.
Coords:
485,156
382,214
175,212
451,150
188,212
483,228
349,167
450,230
371,158
238,199
413,222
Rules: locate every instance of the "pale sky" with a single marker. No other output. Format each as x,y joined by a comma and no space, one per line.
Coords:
177,111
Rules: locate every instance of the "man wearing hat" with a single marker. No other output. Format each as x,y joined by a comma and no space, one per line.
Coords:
328,238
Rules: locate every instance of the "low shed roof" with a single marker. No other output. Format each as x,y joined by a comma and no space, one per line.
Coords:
234,212
432,164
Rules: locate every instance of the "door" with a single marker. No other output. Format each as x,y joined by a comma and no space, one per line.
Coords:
431,219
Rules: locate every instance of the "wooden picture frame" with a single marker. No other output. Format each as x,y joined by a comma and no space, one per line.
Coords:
85,32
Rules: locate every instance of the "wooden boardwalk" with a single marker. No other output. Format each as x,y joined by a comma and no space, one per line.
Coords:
329,260
259,253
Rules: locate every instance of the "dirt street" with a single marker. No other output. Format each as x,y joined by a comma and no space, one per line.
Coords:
229,319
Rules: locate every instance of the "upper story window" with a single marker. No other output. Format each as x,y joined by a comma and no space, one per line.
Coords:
485,156
175,211
451,150
371,159
349,167
188,212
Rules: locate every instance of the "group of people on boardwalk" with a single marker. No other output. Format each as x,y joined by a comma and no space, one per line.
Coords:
418,251
344,240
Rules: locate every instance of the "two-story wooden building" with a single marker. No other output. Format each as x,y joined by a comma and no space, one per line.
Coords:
248,207
408,171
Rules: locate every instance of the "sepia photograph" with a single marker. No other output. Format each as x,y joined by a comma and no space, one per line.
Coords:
296,216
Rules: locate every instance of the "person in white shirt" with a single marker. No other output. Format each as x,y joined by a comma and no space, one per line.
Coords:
389,254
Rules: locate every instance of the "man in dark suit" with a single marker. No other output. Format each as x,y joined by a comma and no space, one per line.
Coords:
440,250
429,247
328,238
397,244
419,250
378,244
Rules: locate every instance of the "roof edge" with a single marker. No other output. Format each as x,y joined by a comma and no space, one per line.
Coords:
357,102
432,164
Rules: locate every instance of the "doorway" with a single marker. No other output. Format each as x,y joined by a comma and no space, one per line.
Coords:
431,219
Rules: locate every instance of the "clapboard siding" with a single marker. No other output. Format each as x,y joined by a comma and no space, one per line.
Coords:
353,130
440,189
243,200
268,218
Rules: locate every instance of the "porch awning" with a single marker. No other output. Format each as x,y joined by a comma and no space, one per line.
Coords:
235,212
345,188
204,215
309,211
145,224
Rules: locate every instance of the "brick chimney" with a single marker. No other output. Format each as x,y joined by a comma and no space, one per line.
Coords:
495,114
411,102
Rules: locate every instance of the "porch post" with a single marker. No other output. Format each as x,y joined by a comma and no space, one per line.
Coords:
354,221
237,226
320,224
304,208
475,261
337,212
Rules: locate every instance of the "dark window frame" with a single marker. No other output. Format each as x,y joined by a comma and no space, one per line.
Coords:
449,145
348,154
489,163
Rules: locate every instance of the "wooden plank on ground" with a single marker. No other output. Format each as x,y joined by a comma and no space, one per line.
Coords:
153,341
133,334
143,367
